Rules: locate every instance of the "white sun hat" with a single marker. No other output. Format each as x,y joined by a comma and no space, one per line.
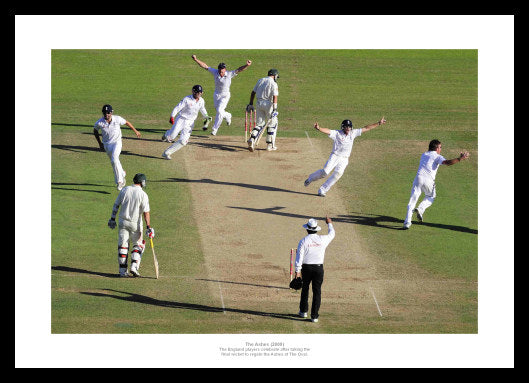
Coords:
312,225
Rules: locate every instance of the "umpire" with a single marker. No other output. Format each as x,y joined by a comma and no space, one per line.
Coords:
309,266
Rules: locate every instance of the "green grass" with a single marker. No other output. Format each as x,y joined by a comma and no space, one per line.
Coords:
424,94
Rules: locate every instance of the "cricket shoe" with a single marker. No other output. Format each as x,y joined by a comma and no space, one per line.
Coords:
269,147
314,320
406,226
124,274
166,156
250,145
419,215
321,194
228,120
164,139
135,273
302,315
213,133
307,182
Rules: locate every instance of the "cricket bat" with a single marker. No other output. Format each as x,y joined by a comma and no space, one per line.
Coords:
156,270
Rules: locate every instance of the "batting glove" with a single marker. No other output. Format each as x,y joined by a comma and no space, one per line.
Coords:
112,223
171,120
274,113
150,232
249,108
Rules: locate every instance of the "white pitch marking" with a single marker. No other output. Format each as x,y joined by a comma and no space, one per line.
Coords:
222,299
310,142
375,298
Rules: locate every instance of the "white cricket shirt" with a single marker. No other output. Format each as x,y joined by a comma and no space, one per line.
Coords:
311,249
134,202
111,132
189,108
429,164
343,144
222,84
266,88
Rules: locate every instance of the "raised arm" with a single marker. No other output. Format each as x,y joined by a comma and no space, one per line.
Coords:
240,69
372,126
320,129
200,63
462,156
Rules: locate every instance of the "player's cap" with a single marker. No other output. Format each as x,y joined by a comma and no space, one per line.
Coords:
141,179
273,72
107,109
222,66
347,124
312,225
197,89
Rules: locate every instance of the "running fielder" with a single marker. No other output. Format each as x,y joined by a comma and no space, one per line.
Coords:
187,111
222,95
424,181
134,203
266,90
110,127
339,158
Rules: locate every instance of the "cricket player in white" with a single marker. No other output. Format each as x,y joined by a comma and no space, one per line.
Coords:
110,127
267,91
310,256
187,111
134,203
222,94
424,181
341,150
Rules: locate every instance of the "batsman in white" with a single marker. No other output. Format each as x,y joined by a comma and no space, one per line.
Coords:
267,91
424,181
187,111
134,203
339,158
222,94
110,127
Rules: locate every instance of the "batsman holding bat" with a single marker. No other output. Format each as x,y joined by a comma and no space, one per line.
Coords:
134,203
266,91
424,181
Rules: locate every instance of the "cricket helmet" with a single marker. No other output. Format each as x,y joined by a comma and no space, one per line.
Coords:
273,72
141,179
347,124
197,89
107,109
221,66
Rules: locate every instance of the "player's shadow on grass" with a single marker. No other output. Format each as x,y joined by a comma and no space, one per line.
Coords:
54,184
84,149
375,220
238,184
137,298
82,271
245,284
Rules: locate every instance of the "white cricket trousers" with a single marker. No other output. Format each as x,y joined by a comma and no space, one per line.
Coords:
130,232
113,150
420,185
220,101
263,110
338,163
181,126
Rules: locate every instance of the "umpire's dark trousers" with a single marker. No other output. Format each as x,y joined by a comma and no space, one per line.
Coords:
311,274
